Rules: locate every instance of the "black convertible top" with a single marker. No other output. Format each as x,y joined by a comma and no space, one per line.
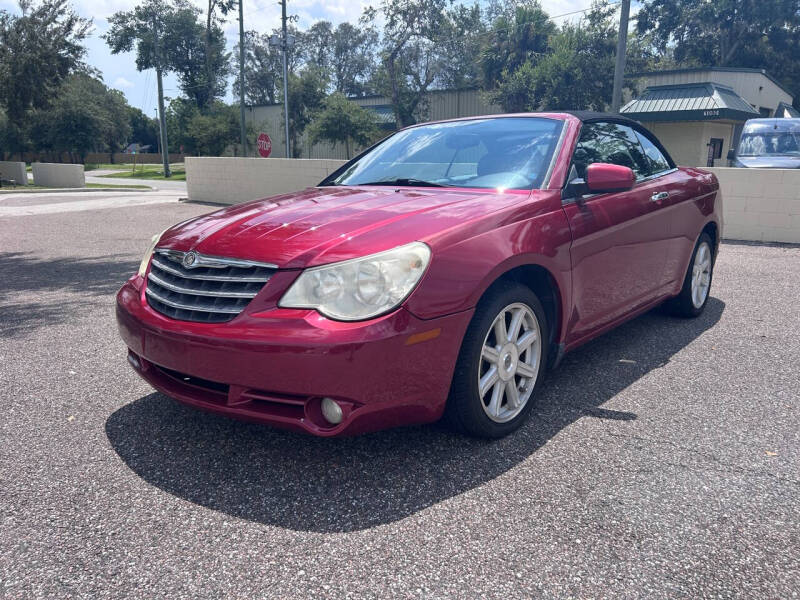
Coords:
590,115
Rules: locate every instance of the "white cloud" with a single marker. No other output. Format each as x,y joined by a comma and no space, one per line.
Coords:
122,83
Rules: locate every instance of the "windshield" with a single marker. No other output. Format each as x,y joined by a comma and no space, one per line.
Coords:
770,143
508,153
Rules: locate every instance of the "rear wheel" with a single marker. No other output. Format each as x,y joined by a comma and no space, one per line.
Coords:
501,363
697,282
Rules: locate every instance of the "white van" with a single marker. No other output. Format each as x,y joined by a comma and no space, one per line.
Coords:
769,144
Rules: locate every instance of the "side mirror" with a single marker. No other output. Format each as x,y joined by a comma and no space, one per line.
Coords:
605,177
731,154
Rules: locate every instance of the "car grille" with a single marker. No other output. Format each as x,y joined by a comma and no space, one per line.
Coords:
189,286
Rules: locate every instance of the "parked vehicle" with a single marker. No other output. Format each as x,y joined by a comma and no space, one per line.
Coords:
439,273
769,144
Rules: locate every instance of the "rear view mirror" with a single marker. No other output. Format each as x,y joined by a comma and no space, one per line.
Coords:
605,177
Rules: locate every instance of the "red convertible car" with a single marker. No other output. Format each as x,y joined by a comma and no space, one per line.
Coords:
438,274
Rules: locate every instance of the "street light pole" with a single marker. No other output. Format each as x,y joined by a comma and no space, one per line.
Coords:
284,46
622,46
241,78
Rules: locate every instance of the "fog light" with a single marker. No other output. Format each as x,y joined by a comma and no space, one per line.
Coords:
331,411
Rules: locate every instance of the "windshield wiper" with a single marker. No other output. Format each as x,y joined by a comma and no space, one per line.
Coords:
410,181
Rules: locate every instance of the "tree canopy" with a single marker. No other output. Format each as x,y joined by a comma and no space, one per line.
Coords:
39,49
342,121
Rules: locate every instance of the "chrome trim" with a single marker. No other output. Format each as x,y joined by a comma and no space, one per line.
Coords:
546,181
214,294
229,311
213,262
174,271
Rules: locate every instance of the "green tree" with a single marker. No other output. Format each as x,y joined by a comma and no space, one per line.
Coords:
344,122
206,133
738,33
144,129
213,54
411,54
169,37
461,40
307,92
39,49
86,116
263,79
518,35
198,57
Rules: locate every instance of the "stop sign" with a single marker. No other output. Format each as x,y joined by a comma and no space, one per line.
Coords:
264,145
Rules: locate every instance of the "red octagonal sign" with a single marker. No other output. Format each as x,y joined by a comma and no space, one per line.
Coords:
264,145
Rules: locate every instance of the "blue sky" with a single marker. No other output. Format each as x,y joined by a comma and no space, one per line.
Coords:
119,71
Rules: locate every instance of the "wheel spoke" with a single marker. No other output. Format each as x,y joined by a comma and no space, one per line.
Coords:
524,342
488,380
497,398
512,394
500,332
526,370
490,355
516,323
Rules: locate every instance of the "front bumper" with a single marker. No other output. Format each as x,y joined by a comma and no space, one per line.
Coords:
275,366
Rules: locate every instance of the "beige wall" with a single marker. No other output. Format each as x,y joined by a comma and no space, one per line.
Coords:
687,141
756,88
58,175
13,170
761,205
234,180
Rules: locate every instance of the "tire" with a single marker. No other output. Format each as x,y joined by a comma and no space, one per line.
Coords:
692,299
495,414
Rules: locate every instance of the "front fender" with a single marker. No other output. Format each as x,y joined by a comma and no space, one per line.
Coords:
461,273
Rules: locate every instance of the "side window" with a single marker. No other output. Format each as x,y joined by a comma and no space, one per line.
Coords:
610,143
658,161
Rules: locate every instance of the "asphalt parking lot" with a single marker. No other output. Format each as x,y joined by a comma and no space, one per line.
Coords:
663,459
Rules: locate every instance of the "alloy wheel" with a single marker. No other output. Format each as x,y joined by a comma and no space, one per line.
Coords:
509,362
701,274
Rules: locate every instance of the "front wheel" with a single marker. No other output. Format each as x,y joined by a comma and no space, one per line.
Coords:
501,363
697,282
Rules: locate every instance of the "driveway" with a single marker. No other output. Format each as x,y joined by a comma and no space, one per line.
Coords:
663,459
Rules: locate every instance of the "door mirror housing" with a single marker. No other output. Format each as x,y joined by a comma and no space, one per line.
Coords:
605,177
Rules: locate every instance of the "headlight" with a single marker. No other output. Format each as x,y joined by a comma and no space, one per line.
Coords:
149,253
361,288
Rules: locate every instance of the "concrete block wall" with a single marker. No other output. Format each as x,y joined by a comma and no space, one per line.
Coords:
234,180
58,175
13,170
760,205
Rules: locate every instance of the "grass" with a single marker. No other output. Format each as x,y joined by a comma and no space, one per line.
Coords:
40,188
149,172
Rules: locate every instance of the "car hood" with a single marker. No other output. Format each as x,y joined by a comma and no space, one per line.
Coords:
329,224
770,162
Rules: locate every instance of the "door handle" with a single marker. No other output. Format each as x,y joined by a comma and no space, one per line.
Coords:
659,196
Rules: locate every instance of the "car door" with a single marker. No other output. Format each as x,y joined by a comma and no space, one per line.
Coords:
620,241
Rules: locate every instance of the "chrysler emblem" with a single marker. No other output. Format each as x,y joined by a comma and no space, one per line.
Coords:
189,259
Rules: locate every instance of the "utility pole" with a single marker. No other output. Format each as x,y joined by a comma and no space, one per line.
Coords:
161,118
622,46
241,78
285,44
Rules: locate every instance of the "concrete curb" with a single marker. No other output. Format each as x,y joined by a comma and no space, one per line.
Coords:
22,190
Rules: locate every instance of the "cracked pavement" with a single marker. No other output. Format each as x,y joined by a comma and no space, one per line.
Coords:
663,459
